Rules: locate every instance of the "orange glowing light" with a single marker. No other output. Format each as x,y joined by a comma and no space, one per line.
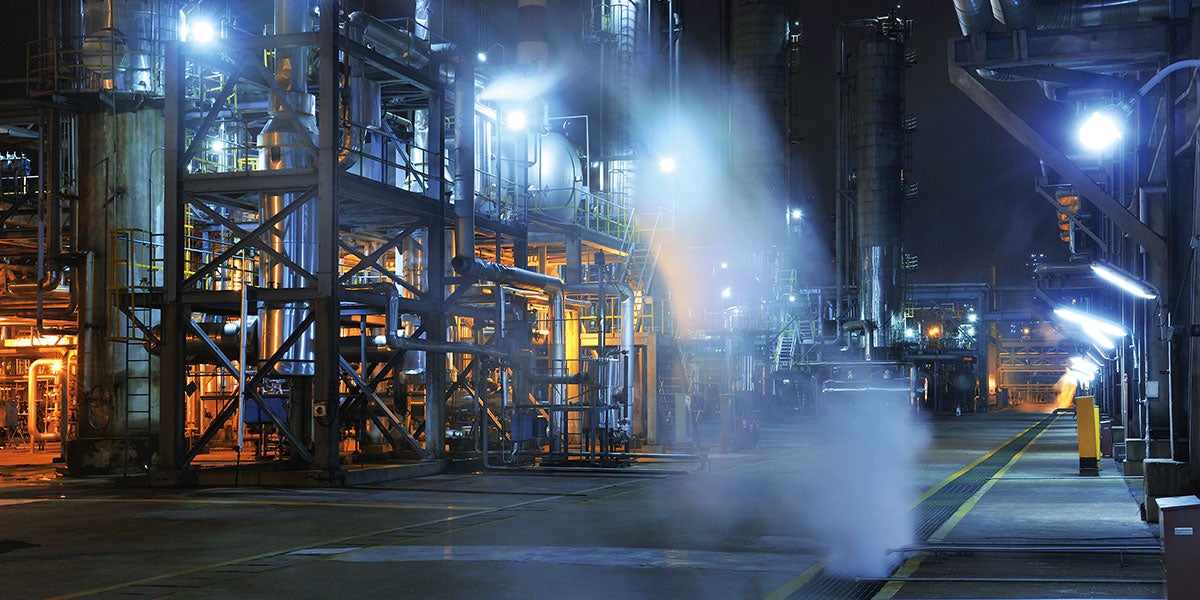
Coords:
935,331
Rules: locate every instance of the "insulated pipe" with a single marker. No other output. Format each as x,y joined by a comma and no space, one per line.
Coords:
476,268
421,17
464,158
558,365
1014,14
31,424
282,145
401,46
974,16
422,345
291,63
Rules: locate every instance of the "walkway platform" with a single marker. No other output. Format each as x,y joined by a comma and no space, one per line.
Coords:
979,506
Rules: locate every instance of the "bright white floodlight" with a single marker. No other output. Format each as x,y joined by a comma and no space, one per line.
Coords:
199,31
1087,321
1080,377
1099,131
667,164
517,120
1124,281
1084,365
727,292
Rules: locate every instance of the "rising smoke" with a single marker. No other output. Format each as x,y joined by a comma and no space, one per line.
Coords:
866,484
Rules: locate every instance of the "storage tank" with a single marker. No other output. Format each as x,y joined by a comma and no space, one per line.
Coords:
555,178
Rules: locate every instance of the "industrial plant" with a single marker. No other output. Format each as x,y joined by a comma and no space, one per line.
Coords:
325,244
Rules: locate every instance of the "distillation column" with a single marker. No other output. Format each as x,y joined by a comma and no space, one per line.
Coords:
283,147
120,215
757,32
879,187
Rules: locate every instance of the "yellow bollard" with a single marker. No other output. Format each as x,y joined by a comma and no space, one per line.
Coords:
1087,421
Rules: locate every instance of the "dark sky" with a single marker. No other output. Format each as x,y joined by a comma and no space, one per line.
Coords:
976,205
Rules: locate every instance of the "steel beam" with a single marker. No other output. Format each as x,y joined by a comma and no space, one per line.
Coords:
1128,222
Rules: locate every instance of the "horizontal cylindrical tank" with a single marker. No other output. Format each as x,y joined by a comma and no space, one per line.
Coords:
555,178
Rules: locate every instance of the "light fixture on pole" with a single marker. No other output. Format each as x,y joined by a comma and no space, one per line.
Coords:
1090,322
1124,281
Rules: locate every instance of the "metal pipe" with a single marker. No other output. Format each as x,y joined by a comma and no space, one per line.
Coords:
422,345
470,267
974,16
405,47
558,366
626,344
31,424
464,158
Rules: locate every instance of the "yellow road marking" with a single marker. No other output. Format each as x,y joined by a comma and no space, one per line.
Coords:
800,581
812,571
910,565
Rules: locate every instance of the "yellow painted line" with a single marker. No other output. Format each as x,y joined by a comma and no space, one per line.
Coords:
945,482
812,572
893,587
328,542
910,566
966,507
800,581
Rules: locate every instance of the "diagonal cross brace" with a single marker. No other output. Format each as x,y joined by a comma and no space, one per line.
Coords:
1024,134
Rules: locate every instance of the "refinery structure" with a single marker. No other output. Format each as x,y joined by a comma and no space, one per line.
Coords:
305,235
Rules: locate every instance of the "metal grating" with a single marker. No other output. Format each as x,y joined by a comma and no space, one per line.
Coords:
929,516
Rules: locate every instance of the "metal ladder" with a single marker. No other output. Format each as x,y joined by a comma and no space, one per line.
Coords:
132,274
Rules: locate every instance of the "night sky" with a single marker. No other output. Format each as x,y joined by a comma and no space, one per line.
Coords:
977,204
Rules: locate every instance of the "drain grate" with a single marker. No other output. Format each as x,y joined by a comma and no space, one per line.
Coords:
929,516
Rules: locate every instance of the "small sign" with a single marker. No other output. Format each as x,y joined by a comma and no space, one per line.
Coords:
1183,531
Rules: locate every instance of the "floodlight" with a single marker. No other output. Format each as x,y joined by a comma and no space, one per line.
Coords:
727,292
1089,322
667,164
1080,377
1083,364
199,31
1099,131
1124,281
517,120
1100,338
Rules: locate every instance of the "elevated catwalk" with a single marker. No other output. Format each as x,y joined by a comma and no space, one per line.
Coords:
996,503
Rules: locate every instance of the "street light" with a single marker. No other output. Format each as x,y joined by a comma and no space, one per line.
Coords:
1124,281
1087,321
482,55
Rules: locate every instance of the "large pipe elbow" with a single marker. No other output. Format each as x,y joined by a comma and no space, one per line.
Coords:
31,424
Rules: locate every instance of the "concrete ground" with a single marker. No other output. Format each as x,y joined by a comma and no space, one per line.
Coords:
812,512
